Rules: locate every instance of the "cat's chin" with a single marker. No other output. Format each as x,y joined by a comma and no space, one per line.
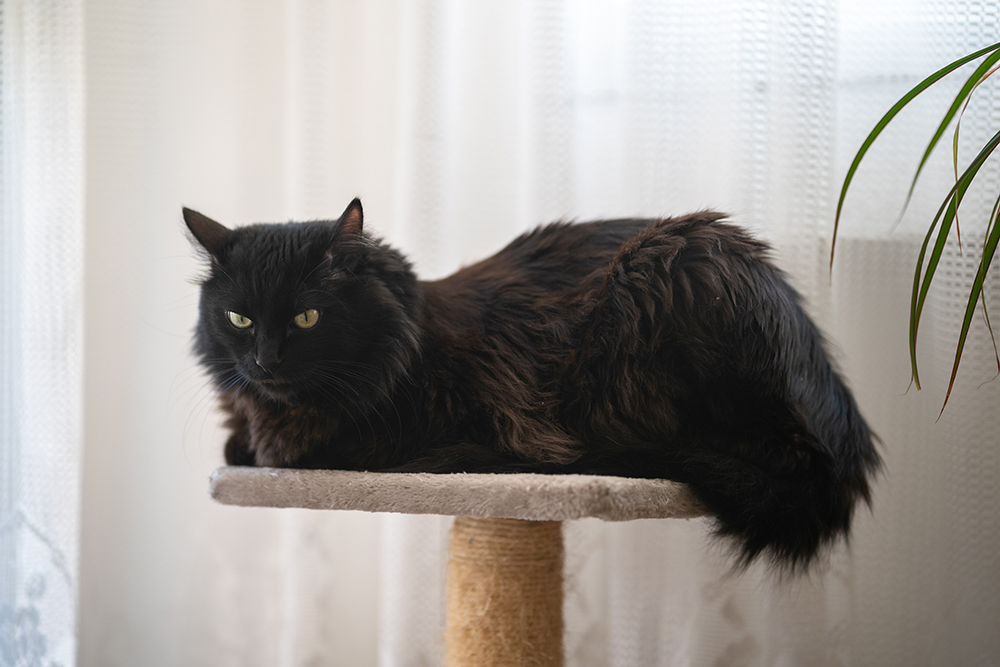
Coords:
278,390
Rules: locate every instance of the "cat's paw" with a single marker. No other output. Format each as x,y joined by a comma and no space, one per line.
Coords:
276,451
238,451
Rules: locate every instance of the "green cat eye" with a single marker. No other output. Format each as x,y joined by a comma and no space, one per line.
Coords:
307,320
239,321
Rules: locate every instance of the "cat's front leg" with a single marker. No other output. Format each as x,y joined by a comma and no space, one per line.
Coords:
266,434
286,436
238,451
278,452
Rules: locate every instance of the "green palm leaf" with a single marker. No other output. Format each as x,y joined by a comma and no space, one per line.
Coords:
989,249
949,209
892,113
947,214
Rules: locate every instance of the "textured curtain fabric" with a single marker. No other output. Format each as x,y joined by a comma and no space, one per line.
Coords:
461,125
41,340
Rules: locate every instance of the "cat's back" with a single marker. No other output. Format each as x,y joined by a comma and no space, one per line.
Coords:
557,258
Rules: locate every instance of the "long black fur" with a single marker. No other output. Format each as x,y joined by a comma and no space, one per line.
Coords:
666,348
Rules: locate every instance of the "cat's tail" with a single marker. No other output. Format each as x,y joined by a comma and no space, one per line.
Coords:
699,360
783,494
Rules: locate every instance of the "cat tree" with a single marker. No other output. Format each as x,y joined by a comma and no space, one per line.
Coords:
504,590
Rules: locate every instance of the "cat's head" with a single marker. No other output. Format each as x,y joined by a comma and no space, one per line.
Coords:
303,311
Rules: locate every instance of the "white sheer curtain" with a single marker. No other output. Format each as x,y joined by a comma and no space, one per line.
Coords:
41,342
461,124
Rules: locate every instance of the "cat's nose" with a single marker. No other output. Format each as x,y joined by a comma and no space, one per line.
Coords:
267,352
268,361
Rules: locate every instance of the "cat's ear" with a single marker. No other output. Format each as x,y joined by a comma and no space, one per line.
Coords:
209,233
352,222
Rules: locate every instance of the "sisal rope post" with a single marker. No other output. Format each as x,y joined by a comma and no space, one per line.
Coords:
505,594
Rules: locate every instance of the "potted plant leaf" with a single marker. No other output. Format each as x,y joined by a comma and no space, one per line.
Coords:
947,214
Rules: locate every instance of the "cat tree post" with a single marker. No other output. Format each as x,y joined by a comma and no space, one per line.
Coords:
506,557
504,593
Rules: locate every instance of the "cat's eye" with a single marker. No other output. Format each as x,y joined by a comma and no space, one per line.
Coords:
307,319
239,321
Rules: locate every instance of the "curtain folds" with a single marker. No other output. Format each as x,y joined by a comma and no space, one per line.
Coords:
41,341
461,125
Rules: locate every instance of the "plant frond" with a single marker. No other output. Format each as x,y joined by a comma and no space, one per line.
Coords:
887,118
947,214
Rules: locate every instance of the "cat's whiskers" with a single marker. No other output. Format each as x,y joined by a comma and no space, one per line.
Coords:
376,409
369,406
179,385
345,409
353,374
382,387
186,375
205,403
186,297
340,384
200,396
207,380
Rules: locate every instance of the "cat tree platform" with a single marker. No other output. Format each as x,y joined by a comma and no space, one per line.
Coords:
504,591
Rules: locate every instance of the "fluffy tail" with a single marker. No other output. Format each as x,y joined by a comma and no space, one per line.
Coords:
698,364
782,493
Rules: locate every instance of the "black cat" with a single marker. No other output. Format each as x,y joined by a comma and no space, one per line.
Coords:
646,348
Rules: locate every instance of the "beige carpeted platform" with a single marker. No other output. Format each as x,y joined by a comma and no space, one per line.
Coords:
516,496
